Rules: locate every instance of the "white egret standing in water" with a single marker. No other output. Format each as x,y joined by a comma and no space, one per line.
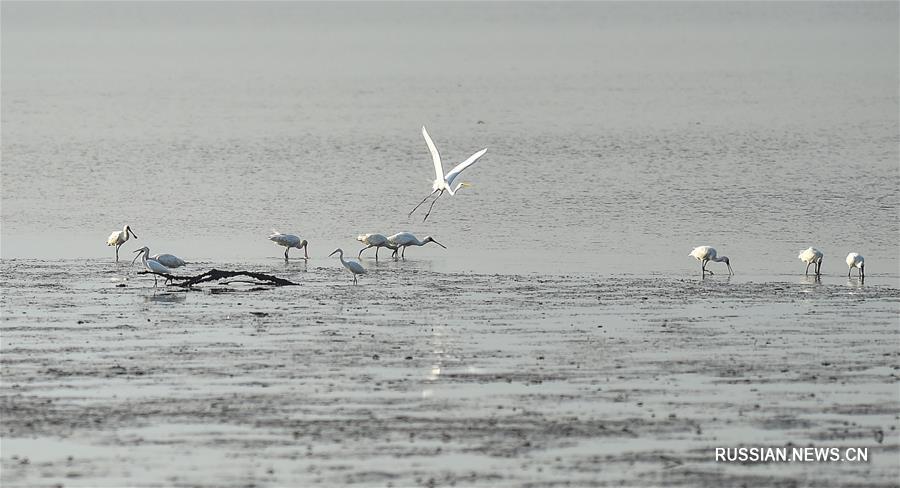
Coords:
289,241
854,260
118,238
812,256
705,254
151,265
444,182
352,266
402,240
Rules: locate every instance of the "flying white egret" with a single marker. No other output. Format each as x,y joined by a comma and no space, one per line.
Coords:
352,266
444,182
705,254
812,256
402,240
167,260
119,238
374,240
854,260
152,265
289,241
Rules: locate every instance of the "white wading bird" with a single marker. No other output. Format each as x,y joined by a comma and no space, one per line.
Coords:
374,240
289,241
854,260
705,254
151,265
443,182
402,240
812,256
352,266
167,260
119,238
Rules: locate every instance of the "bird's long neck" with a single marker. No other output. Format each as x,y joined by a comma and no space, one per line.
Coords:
718,259
419,243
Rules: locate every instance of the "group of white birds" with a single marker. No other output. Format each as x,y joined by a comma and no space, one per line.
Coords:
397,243
164,263
449,183
157,263
810,256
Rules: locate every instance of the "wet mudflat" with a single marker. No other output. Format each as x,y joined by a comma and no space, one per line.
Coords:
416,378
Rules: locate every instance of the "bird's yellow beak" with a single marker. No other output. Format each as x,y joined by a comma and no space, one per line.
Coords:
465,184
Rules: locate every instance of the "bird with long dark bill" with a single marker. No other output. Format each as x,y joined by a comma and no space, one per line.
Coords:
705,254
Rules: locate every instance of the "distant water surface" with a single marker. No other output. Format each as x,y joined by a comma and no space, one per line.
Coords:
619,136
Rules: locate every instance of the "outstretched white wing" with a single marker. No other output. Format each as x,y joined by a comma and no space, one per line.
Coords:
451,176
435,155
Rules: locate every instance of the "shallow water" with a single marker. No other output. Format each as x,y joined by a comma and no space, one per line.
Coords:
564,337
619,136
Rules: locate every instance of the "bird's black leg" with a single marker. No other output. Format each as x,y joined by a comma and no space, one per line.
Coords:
432,205
420,203
807,268
359,256
378,248
819,268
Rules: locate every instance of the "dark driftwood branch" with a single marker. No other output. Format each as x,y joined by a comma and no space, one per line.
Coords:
218,274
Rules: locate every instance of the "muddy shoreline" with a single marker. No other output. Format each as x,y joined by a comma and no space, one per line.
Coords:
416,378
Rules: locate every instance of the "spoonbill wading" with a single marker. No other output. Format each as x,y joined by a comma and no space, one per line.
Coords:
855,260
167,260
705,254
812,256
444,182
374,240
289,241
119,238
402,240
352,266
152,265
